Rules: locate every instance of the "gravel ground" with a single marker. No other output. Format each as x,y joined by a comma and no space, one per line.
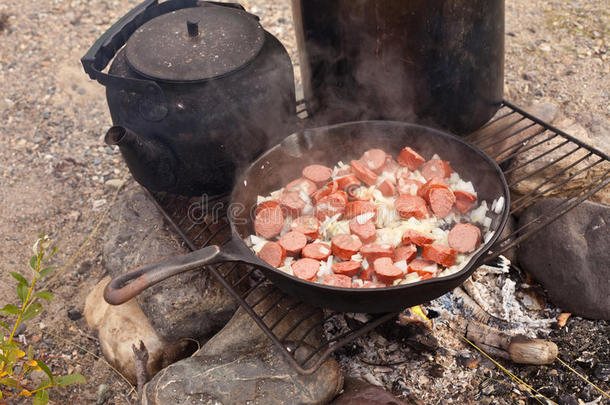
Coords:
54,165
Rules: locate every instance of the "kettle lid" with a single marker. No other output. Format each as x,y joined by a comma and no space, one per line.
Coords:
195,44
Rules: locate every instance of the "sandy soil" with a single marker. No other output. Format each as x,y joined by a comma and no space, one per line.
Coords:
54,164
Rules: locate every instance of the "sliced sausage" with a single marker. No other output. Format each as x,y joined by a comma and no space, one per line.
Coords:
345,246
273,253
363,173
385,270
374,159
409,186
355,208
318,251
464,237
293,242
441,201
307,225
464,201
292,203
408,157
422,267
373,284
374,251
317,173
430,184
331,205
269,222
348,268
348,183
406,252
366,231
416,237
306,269
411,206
440,254
302,184
322,192
387,188
436,168
338,280
266,204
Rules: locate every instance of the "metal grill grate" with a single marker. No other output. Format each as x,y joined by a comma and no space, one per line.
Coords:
518,141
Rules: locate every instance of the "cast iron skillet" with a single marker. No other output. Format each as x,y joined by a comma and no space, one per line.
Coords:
327,145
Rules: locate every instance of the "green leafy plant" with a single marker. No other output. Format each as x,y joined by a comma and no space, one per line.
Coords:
16,361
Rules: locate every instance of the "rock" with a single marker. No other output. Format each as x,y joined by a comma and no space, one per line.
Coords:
74,314
114,183
602,371
508,125
558,164
358,392
193,304
570,257
121,326
103,394
241,365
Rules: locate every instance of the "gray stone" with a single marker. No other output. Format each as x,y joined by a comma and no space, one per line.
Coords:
193,304
558,170
241,365
571,257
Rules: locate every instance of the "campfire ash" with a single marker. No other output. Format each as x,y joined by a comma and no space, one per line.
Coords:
426,359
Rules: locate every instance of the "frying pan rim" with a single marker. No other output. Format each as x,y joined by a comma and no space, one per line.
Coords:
453,138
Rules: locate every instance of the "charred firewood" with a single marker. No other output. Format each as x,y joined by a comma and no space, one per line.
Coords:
519,348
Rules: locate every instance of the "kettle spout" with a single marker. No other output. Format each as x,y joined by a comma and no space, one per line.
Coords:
151,162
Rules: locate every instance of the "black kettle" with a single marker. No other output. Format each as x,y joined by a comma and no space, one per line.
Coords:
199,90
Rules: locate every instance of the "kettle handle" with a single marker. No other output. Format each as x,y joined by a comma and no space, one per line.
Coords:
106,47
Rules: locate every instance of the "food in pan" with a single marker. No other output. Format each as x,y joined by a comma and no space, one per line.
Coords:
376,222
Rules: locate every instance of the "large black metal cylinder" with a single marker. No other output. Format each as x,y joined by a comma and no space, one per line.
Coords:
438,62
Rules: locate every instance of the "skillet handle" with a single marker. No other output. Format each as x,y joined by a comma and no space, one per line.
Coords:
123,288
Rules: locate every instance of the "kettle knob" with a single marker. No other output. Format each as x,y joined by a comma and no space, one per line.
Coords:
192,27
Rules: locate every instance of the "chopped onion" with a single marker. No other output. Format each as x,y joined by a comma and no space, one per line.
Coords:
487,222
363,218
499,206
410,278
402,265
488,236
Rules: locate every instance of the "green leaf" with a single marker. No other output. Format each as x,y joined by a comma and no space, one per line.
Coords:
32,310
46,370
9,381
41,398
44,272
3,358
30,352
22,291
34,262
71,379
9,309
45,295
19,278
43,383
5,326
